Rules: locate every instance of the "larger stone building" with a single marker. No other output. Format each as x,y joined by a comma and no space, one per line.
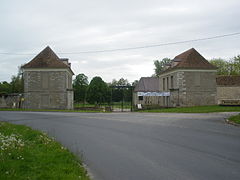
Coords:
48,82
189,80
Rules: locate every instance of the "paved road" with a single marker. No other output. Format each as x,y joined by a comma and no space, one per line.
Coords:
144,146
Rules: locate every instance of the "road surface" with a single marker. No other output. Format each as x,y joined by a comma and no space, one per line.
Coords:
144,146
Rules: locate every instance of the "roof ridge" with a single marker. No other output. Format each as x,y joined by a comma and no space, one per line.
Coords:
47,58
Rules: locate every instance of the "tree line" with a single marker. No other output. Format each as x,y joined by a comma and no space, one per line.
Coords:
14,86
98,91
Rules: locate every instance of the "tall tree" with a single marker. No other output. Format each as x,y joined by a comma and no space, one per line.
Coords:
236,62
159,65
230,67
119,94
15,86
134,83
222,65
5,87
80,84
98,92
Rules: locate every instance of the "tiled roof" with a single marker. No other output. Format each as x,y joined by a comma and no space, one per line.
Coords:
46,59
228,80
148,84
190,59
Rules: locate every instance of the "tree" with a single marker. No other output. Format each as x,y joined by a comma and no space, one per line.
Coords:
230,67
222,65
5,87
159,65
80,84
134,83
15,86
236,61
98,92
119,94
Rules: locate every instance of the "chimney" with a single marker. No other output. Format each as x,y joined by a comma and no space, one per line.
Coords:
65,61
166,66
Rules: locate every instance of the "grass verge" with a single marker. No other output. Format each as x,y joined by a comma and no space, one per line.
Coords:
49,110
30,154
235,119
196,109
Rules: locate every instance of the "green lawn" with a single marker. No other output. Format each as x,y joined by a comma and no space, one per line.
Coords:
235,119
196,109
30,154
114,104
118,105
50,110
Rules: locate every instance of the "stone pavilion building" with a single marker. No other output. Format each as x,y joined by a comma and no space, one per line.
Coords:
48,82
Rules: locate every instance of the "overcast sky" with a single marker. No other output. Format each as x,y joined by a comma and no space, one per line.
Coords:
28,26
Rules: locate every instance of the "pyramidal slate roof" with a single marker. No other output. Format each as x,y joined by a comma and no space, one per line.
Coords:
190,59
148,84
46,59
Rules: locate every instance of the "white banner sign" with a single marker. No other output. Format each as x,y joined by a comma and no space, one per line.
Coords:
153,93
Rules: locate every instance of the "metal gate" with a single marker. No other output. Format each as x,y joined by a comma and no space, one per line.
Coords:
121,98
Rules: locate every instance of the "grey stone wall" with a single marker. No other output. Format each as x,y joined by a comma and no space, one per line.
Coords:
189,88
200,88
10,101
153,101
48,90
228,92
175,84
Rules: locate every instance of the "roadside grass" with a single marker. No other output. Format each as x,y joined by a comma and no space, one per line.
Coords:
126,105
196,109
235,119
50,110
30,154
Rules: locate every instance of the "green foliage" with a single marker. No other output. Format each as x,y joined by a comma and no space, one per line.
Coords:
15,86
119,94
221,64
5,87
134,84
98,91
30,154
80,84
236,62
159,65
50,110
230,67
196,109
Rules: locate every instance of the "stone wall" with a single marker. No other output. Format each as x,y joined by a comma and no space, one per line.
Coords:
200,88
10,101
228,93
189,88
48,90
147,101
